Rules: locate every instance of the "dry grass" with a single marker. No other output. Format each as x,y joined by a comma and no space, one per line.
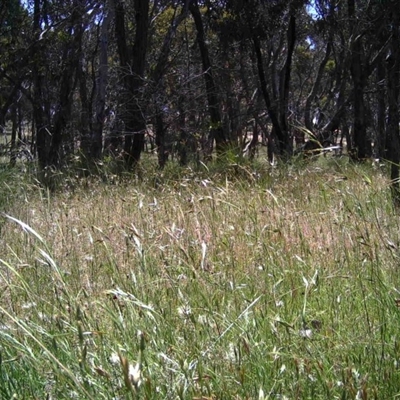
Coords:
222,264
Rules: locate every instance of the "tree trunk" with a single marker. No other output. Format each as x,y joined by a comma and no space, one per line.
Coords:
361,142
254,141
160,131
284,147
138,69
84,131
132,71
381,111
124,72
183,146
67,85
40,116
284,85
96,146
14,145
316,86
156,79
216,129
359,76
393,82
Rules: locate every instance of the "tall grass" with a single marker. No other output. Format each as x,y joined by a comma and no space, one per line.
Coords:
247,284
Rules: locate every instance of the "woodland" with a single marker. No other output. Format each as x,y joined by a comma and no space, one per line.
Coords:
195,80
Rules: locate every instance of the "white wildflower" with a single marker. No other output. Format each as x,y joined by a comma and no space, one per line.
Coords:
306,333
311,378
184,311
27,306
202,319
231,354
114,359
134,375
355,373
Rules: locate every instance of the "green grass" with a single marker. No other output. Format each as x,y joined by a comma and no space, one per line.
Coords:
266,284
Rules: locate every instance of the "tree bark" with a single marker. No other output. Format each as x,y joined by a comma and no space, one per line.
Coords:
156,80
96,146
14,146
361,142
381,110
41,117
359,76
282,136
316,87
84,132
284,85
216,127
132,71
393,82
70,64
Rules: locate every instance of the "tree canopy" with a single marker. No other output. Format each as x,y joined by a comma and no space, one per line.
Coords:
193,80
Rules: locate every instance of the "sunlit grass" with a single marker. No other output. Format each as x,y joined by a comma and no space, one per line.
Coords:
262,283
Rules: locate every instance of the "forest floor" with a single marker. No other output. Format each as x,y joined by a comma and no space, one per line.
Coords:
254,283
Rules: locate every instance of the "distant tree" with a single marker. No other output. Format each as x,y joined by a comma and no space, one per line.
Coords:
393,94
216,126
95,145
156,78
14,66
132,58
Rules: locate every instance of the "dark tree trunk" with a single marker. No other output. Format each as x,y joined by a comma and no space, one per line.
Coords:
7,104
132,72
156,79
316,86
84,131
216,130
284,84
40,116
282,136
393,82
359,76
70,63
96,146
339,93
183,145
361,142
138,68
14,146
381,111
254,141
124,72
160,131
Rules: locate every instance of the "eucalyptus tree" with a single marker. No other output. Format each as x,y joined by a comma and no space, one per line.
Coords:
393,96
58,29
132,52
92,137
16,50
321,38
216,127
171,16
271,29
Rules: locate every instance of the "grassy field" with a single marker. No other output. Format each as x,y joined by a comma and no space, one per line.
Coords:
267,284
